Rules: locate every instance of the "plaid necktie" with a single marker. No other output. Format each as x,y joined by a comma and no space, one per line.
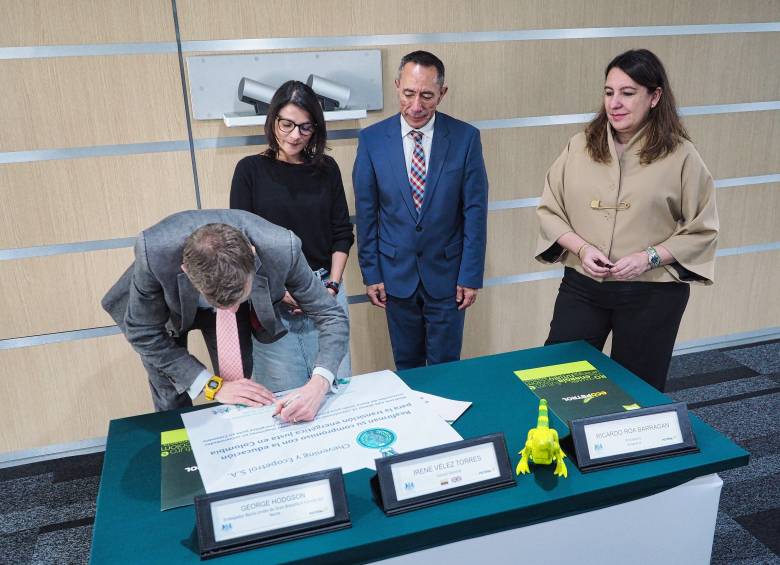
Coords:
228,346
417,172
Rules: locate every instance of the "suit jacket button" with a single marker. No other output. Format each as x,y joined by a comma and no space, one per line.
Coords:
419,228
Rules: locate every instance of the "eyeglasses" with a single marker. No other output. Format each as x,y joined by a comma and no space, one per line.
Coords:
286,126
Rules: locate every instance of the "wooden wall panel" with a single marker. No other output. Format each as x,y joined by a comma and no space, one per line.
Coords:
220,19
58,293
540,78
353,278
511,243
517,159
71,22
215,172
88,199
744,298
71,390
82,101
748,215
738,145
509,317
369,340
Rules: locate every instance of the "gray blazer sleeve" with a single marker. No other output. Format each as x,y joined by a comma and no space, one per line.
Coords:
331,321
144,325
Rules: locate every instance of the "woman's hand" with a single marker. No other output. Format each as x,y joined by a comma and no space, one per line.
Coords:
630,266
594,262
290,301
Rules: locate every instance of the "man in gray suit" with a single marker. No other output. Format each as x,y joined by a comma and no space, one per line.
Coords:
196,262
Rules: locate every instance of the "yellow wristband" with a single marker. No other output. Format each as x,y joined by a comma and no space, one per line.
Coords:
579,251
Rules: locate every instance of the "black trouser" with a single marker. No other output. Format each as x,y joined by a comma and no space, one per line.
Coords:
643,317
164,395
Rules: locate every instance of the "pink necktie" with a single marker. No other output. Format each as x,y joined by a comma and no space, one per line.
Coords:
228,347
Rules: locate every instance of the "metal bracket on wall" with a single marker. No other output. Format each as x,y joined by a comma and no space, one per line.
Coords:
214,80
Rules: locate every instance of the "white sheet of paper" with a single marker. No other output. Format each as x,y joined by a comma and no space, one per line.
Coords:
447,408
378,415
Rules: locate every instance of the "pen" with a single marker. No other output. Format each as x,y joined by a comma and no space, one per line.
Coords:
285,404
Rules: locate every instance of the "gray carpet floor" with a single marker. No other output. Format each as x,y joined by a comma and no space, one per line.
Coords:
47,509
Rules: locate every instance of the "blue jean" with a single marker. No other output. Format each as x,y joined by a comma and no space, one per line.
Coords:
288,362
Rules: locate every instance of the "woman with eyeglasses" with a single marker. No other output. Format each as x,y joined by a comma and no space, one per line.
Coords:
629,208
295,185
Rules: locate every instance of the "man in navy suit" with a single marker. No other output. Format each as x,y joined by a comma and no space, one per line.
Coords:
421,198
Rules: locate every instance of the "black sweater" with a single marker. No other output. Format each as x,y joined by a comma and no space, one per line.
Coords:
310,202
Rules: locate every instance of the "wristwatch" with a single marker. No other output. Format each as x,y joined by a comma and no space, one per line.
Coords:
653,257
333,285
212,387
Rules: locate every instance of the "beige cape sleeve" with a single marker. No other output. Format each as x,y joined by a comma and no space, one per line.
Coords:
553,221
694,242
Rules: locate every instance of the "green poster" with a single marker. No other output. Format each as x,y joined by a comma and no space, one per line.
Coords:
576,390
179,477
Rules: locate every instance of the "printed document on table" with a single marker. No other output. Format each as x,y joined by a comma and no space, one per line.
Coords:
376,416
447,408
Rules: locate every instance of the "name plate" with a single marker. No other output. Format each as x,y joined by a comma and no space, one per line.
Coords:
629,437
446,472
281,510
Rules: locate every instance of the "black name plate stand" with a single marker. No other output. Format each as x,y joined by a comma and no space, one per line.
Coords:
425,477
633,436
272,512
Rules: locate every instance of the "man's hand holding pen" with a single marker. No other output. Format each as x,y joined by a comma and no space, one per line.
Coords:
302,404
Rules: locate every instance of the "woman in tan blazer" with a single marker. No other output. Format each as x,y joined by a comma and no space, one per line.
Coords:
629,208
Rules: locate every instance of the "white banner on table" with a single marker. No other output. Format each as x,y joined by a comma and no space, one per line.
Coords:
378,415
447,408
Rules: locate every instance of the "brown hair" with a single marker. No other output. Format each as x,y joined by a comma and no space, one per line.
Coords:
219,259
663,131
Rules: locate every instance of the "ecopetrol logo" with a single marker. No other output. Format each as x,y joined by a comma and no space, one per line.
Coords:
585,397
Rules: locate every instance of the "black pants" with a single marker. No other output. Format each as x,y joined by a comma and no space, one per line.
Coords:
643,317
164,394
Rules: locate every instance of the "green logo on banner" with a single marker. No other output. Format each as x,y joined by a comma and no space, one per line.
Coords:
376,438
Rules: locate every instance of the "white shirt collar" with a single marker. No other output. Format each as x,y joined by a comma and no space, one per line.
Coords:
427,129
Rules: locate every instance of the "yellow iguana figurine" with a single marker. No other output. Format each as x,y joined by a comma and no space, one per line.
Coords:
542,446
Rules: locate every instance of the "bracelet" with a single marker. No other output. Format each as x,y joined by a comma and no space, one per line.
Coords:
653,257
579,251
